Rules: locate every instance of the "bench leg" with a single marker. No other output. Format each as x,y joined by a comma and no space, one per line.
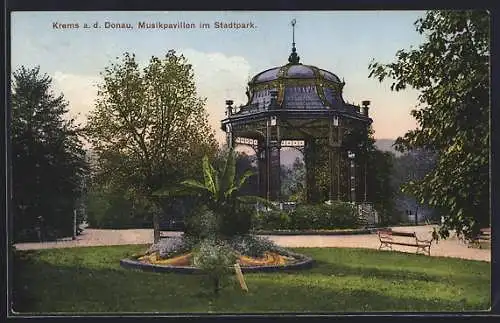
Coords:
473,243
385,244
426,250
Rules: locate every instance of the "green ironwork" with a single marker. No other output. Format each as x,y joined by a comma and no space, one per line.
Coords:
329,133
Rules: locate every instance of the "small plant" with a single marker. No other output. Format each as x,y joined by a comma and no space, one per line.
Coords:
216,260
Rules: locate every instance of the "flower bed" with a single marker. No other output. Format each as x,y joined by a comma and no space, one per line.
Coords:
252,253
269,258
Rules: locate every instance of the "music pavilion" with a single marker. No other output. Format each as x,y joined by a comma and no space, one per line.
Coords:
301,106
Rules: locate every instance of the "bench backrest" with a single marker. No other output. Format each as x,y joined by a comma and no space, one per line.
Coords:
385,234
390,233
404,234
485,233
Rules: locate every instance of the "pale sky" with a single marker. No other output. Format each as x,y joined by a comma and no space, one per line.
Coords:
343,42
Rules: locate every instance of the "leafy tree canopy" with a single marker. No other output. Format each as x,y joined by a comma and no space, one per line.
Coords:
451,71
48,161
149,127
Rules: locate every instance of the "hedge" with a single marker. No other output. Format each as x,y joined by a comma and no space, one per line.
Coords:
338,215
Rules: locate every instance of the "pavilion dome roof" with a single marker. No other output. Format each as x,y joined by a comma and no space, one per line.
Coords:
296,90
296,86
294,71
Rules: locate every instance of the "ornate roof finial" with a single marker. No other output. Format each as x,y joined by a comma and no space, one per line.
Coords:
293,58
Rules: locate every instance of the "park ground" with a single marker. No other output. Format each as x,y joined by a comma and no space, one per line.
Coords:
450,247
84,276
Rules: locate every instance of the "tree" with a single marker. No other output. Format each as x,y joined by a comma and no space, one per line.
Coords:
412,166
293,181
48,161
149,127
451,71
246,162
380,191
378,166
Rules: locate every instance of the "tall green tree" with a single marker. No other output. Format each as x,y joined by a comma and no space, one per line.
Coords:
149,128
246,162
412,166
451,71
48,161
293,181
379,189
378,166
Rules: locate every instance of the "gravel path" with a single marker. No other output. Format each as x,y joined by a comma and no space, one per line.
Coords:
445,248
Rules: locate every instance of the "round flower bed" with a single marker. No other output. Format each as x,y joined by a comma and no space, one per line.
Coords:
253,254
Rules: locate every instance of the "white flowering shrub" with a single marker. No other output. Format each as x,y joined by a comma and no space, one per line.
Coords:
168,247
252,246
216,259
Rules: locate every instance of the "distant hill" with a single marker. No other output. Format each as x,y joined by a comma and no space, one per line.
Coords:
386,145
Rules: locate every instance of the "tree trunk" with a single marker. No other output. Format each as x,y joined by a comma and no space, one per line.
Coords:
156,217
216,285
416,215
156,227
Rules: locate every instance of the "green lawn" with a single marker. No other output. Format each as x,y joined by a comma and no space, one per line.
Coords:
343,280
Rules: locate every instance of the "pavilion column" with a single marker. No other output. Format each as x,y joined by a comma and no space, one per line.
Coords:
307,162
366,104
361,165
335,158
352,176
310,156
338,173
331,156
276,166
229,128
365,174
262,167
230,137
273,167
268,161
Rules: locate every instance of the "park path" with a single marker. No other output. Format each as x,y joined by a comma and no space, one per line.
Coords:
444,248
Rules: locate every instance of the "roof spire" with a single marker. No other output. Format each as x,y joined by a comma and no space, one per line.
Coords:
293,58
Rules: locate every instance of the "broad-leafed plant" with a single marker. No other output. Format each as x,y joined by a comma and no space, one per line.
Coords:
220,192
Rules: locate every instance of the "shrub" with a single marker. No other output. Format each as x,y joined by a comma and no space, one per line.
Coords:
237,222
302,217
342,215
272,220
215,258
338,215
202,223
252,246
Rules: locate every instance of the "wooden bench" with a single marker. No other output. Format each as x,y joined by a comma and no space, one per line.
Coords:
484,237
388,238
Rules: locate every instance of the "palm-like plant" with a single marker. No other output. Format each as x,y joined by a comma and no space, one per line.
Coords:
220,192
220,187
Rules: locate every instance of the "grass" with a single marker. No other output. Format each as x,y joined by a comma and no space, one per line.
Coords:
90,280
